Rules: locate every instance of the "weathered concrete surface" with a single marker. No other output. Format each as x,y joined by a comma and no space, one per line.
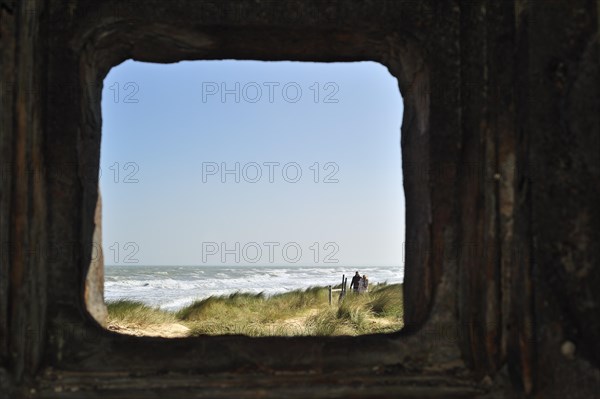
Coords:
561,112
94,282
25,248
500,144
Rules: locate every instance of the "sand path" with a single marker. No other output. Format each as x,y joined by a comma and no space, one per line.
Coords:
166,330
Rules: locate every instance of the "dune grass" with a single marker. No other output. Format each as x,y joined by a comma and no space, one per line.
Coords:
134,313
300,312
253,314
379,311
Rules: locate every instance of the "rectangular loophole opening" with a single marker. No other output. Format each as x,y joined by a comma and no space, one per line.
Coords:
237,195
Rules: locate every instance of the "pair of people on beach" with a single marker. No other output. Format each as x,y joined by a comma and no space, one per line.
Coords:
359,284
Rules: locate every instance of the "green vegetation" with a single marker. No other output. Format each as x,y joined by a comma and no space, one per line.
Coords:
379,311
134,313
300,312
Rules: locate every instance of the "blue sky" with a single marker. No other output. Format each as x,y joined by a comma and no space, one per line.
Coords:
311,154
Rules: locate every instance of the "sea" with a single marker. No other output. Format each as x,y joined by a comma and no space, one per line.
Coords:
174,287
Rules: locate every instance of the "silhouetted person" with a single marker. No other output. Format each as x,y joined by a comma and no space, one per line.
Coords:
354,282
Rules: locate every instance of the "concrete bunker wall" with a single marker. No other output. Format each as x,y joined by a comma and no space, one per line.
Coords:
499,141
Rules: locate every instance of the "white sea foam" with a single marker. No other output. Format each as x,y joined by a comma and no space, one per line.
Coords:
173,287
